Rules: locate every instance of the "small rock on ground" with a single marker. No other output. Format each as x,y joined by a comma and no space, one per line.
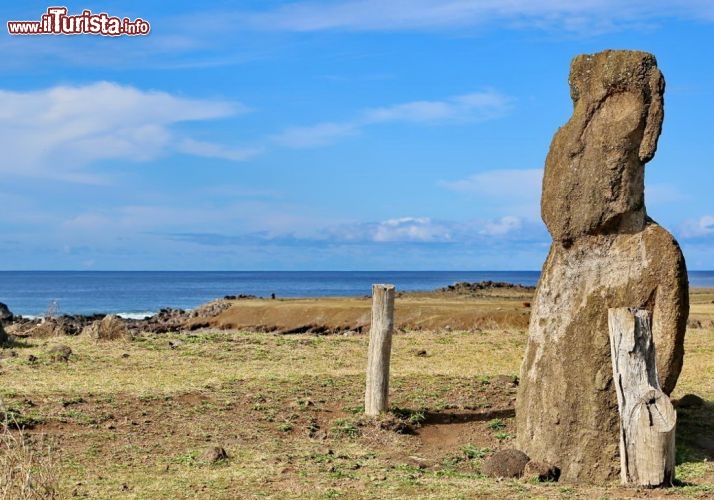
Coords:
59,352
540,471
505,463
214,454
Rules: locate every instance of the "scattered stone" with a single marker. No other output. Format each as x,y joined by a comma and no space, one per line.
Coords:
242,296
540,471
110,328
125,355
214,454
689,401
48,327
606,253
32,359
420,353
60,352
505,464
465,287
526,304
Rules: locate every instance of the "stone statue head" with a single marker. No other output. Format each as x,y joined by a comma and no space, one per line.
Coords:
594,172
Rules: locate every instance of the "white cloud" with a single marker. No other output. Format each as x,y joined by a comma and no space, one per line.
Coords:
476,106
315,135
473,106
427,230
54,133
590,16
502,226
512,191
410,229
704,226
514,183
212,150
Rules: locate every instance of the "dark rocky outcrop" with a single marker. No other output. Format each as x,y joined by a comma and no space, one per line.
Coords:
606,253
466,287
6,315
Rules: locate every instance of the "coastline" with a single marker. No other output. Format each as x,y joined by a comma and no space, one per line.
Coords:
138,293
471,307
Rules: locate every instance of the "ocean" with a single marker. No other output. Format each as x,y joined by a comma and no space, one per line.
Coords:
141,293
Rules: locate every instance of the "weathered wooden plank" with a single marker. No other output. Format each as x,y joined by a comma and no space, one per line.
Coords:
380,347
647,417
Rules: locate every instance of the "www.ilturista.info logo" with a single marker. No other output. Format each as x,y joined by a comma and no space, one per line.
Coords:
57,22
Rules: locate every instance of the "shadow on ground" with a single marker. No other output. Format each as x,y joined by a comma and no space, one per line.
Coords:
695,432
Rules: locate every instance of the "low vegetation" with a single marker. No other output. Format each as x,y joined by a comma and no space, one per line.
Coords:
138,419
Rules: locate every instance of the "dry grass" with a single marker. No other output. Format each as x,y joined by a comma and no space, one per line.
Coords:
132,419
27,468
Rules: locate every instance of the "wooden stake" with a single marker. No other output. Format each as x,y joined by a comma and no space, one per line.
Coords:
380,348
647,417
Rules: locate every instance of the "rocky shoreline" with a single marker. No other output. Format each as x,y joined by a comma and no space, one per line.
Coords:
167,320
110,326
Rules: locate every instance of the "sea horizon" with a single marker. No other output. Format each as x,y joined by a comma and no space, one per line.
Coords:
144,293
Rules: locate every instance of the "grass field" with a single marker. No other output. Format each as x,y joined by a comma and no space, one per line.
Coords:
139,419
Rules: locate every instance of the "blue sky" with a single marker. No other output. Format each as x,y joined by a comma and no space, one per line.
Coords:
344,134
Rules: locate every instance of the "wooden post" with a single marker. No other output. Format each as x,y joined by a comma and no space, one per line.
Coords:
647,417
380,348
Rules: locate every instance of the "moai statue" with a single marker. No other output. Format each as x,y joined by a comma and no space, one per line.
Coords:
606,252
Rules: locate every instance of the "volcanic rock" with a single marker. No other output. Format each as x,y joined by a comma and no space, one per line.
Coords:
214,454
505,463
110,328
606,253
49,327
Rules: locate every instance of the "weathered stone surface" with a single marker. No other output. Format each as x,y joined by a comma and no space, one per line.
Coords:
606,253
110,328
214,454
594,176
6,315
505,463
